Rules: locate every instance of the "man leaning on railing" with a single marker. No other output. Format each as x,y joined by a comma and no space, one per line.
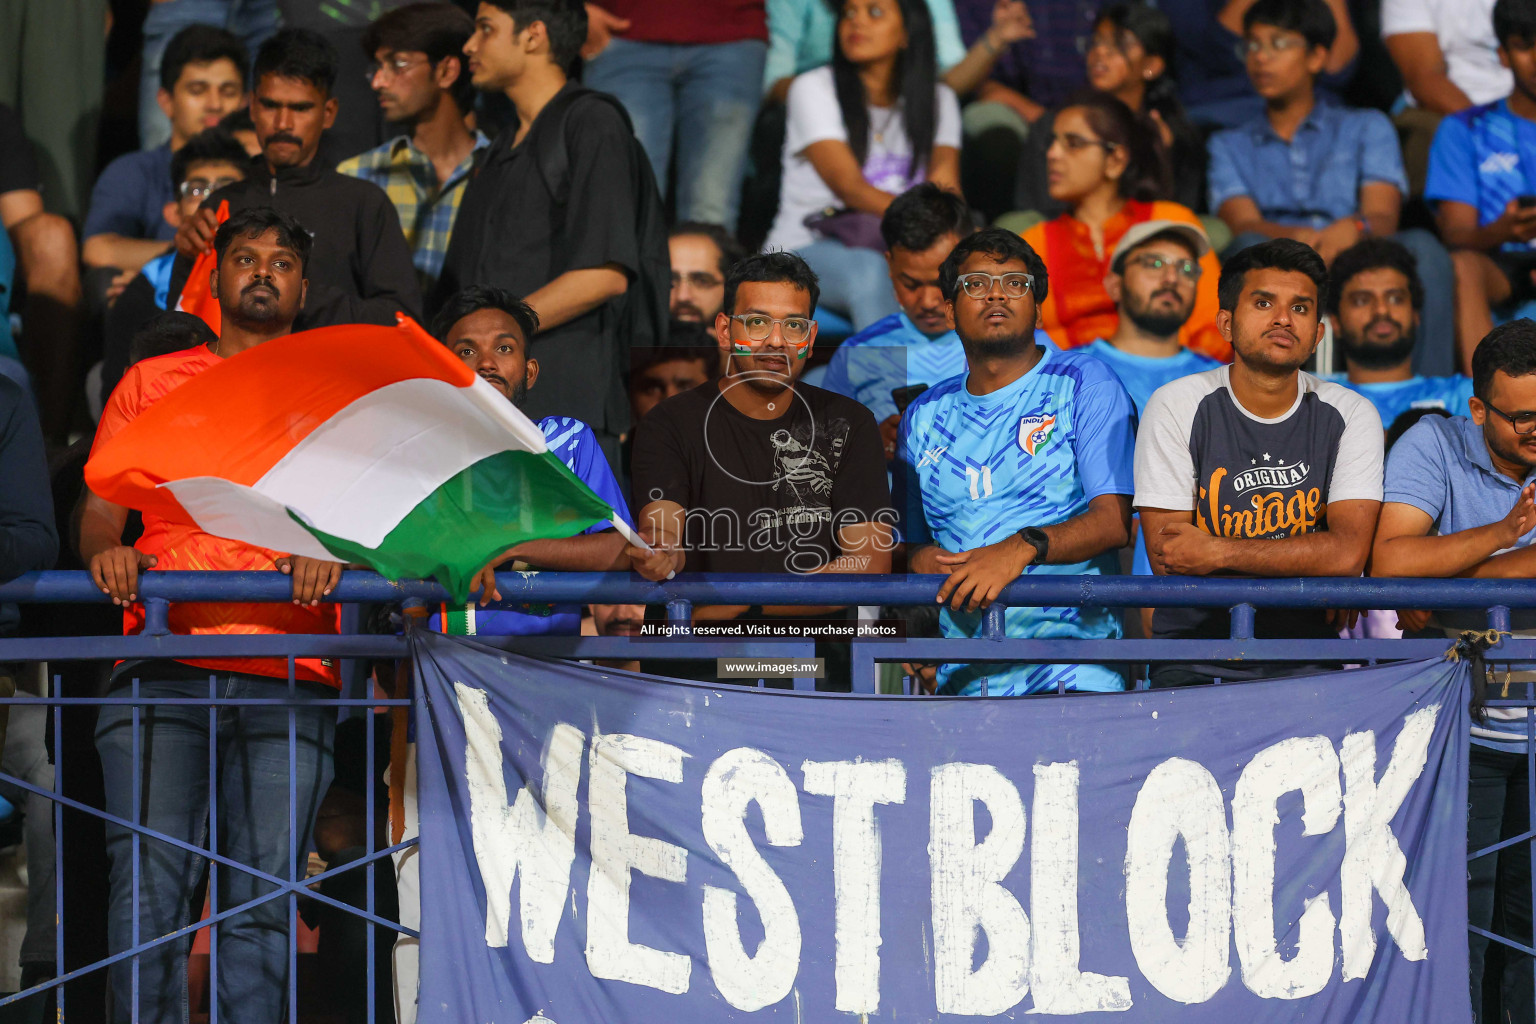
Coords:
260,282
1458,502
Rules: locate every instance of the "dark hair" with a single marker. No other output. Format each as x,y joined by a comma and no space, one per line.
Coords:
1002,246
1514,19
769,267
200,44
565,22
922,215
171,331
209,146
1154,32
914,82
1374,254
255,221
238,121
731,251
437,29
1406,419
1147,176
481,296
1275,254
693,350
1310,19
1509,347
299,53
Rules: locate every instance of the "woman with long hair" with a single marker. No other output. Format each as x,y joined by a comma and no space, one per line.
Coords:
1109,169
859,133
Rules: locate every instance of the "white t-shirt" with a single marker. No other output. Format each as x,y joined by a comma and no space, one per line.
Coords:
1465,31
813,116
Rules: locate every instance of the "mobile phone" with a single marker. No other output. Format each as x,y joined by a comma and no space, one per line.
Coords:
1526,201
903,396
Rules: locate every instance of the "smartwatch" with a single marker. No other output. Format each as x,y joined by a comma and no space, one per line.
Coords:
1037,539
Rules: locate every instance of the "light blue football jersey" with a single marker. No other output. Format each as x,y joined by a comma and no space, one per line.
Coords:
1143,375
1393,398
976,468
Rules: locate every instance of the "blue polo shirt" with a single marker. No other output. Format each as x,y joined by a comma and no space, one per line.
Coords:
1393,398
892,353
1484,157
130,196
1314,179
1441,467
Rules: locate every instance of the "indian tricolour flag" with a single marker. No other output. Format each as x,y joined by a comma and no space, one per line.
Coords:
358,444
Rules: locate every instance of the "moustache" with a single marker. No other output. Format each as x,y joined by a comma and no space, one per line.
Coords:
267,286
493,378
687,309
284,137
1373,324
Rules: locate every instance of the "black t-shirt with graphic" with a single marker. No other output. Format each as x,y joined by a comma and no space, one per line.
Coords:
762,495
1252,478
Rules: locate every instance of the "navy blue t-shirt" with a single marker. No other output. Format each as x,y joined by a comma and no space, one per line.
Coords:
130,196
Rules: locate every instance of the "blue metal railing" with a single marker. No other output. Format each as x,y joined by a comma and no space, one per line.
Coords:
158,589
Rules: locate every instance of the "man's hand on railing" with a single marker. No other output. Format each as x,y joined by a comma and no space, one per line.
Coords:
976,577
313,578
661,562
116,572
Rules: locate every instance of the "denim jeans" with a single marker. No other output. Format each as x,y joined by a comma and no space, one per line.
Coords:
251,786
1499,885
251,20
701,97
854,282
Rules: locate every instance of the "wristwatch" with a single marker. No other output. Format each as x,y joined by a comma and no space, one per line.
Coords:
1037,539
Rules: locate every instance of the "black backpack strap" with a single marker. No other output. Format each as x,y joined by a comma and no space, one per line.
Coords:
555,161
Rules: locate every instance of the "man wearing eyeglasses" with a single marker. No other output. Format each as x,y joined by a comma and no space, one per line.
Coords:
757,472
1458,502
423,88
1153,274
1019,467
702,254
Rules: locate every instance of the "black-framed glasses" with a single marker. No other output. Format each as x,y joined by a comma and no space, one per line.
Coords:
202,188
1186,267
697,279
979,285
1522,422
759,327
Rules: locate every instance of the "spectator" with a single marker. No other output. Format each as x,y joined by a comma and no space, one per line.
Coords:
1108,168
1446,52
260,284
580,242
488,329
860,133
661,373
1304,504
251,22
702,255
1458,502
207,162
757,472
1020,467
689,74
361,269
918,346
1374,298
423,87
49,265
202,79
1485,191
1153,274
1353,185
52,68
1212,54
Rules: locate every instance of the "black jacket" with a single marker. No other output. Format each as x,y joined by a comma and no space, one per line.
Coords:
360,269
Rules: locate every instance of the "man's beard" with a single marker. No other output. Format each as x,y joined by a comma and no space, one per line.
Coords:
1515,454
517,392
995,347
1159,325
1377,357
248,312
688,312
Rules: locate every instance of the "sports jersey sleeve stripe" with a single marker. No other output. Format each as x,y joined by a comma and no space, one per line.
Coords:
1165,467
1357,470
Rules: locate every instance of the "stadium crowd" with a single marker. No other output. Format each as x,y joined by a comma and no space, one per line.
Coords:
975,288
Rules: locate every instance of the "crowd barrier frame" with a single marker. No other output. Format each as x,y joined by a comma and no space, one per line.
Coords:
158,589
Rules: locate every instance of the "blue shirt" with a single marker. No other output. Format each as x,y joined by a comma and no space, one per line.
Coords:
1393,398
892,353
1484,157
130,196
1442,468
158,270
577,447
1143,375
1315,178
976,468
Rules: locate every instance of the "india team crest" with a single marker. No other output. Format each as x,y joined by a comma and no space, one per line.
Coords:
1034,431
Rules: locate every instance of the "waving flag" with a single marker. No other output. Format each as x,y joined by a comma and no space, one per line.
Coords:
355,443
197,295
